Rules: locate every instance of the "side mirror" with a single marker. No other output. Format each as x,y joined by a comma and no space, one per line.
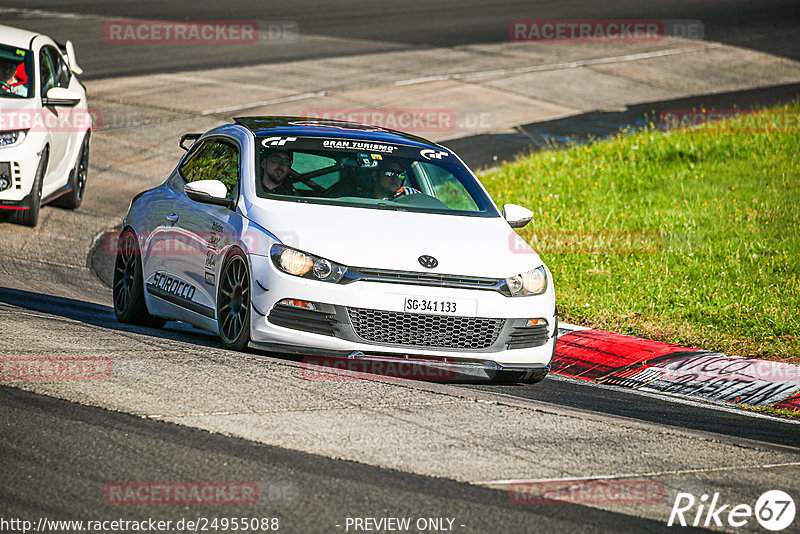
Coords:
517,216
61,96
209,192
71,60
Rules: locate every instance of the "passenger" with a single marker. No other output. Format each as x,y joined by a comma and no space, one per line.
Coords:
276,169
388,181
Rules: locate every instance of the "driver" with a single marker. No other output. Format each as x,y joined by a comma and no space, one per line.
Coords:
388,180
7,69
9,62
276,167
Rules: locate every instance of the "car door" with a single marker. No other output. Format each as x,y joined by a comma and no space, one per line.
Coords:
53,73
202,231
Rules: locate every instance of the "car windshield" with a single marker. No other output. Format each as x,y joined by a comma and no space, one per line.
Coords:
16,72
368,174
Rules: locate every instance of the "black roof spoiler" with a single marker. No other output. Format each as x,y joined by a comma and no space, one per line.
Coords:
191,137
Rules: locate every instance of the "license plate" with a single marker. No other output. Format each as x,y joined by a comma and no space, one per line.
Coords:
438,306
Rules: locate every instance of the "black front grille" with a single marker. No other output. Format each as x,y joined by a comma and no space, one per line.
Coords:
302,319
524,337
425,279
422,330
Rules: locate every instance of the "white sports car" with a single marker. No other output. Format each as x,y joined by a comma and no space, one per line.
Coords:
45,126
342,240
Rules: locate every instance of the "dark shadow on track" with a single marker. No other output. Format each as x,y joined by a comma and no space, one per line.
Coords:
488,150
316,366
100,316
659,410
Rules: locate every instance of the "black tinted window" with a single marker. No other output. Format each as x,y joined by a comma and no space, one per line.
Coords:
48,71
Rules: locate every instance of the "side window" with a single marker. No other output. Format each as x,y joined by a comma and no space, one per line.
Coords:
61,70
213,160
447,188
48,71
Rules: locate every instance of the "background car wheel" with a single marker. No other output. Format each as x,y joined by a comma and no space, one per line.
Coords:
77,180
233,302
30,216
129,305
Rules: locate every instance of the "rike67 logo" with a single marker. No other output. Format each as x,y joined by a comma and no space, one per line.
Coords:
774,510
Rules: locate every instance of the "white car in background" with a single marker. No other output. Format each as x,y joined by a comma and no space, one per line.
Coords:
45,126
338,240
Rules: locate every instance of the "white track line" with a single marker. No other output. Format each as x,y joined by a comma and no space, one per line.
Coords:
637,475
301,96
561,66
41,13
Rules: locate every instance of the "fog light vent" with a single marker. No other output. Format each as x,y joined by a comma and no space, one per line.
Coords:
5,176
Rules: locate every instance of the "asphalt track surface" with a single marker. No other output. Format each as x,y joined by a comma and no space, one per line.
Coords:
670,411
357,27
54,452
58,450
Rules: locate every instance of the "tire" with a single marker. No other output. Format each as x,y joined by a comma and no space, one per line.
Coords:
77,180
536,376
33,203
129,304
519,377
508,377
233,302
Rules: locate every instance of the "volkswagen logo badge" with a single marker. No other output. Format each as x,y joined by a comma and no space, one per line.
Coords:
428,261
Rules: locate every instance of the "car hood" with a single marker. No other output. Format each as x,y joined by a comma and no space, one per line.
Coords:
383,239
11,104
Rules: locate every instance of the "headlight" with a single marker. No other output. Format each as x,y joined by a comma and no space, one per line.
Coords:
12,137
533,282
305,265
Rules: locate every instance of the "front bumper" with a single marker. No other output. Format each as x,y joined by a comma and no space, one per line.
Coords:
443,369
21,162
333,329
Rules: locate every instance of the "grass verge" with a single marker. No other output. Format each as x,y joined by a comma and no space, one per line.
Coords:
687,236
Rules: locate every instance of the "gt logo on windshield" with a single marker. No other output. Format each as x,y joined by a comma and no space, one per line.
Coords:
277,141
429,153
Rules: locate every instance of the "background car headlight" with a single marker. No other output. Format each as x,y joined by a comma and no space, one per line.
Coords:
533,282
12,137
306,265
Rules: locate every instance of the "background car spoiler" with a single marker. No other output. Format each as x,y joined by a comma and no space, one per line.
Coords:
69,50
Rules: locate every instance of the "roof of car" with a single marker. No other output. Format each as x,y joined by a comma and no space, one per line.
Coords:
16,37
328,128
